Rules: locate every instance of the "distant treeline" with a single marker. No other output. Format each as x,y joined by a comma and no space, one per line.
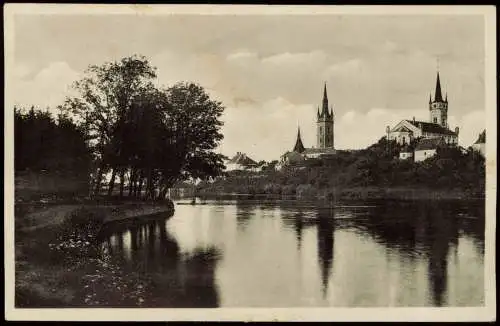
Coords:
374,167
122,124
45,143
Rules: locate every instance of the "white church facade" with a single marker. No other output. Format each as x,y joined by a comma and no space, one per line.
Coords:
406,131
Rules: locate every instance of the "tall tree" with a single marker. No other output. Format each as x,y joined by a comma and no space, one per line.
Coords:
105,96
194,126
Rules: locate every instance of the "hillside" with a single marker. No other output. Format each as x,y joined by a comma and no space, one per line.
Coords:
372,172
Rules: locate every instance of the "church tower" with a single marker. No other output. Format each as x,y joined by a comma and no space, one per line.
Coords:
439,107
324,124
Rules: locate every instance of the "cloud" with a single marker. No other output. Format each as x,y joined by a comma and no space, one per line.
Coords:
205,69
241,55
470,126
266,130
21,71
346,67
295,59
47,88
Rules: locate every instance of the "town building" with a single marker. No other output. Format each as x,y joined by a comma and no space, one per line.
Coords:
241,162
480,144
428,147
406,152
324,137
406,131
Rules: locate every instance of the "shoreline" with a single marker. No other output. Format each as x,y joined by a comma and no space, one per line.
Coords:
57,247
359,193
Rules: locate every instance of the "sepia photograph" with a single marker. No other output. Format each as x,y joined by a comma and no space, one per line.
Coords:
250,162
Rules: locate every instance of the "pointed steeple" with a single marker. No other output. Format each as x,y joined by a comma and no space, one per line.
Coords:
324,111
437,95
446,97
299,147
430,98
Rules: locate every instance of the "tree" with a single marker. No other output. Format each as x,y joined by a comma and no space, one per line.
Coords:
106,94
194,127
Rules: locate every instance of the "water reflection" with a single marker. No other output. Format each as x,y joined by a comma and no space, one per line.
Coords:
272,255
325,245
178,280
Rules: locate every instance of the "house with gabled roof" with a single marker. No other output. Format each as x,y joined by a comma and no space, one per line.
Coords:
427,148
240,162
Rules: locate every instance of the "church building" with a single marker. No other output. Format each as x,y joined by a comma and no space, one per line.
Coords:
437,126
324,136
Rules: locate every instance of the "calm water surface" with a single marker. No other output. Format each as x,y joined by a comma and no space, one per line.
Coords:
254,254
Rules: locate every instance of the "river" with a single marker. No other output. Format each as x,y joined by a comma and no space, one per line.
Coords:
244,253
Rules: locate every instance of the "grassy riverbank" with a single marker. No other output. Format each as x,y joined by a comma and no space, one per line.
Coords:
59,262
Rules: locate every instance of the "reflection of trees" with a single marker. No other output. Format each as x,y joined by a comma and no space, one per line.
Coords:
243,214
425,228
298,226
199,274
177,280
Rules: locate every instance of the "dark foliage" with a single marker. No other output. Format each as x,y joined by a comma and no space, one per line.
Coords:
44,143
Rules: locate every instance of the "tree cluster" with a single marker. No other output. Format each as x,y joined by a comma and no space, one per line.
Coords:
139,136
42,142
143,134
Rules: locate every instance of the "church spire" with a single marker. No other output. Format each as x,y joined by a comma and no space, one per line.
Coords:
324,111
299,147
437,95
430,98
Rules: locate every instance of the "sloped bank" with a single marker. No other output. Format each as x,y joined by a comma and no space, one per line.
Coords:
60,263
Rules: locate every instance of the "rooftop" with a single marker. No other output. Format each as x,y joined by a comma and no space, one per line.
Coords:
431,127
482,138
430,143
242,159
319,151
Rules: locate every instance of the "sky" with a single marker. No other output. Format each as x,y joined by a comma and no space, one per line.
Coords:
269,71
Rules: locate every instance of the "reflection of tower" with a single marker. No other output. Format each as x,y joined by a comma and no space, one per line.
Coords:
443,229
325,247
